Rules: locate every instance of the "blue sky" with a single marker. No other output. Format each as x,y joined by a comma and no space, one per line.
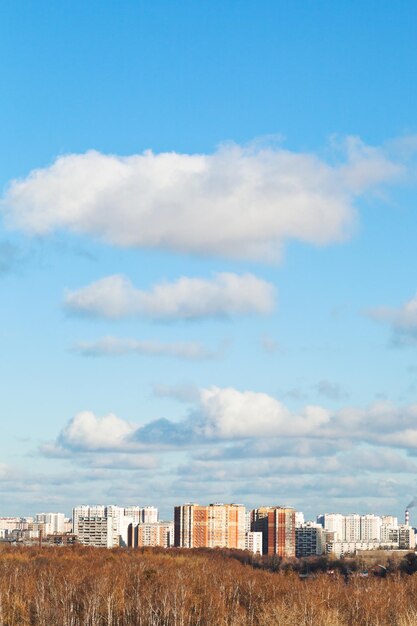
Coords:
207,254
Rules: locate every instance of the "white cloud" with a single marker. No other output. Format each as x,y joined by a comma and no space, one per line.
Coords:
86,431
243,424
241,202
403,321
229,413
115,346
187,298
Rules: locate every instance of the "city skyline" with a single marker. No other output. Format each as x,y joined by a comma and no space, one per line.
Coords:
207,254
269,531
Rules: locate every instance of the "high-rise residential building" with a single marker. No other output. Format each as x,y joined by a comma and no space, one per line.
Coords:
370,527
277,525
54,522
352,527
247,521
134,513
149,515
333,523
142,514
119,522
154,534
95,531
85,510
299,518
406,537
253,542
215,525
310,540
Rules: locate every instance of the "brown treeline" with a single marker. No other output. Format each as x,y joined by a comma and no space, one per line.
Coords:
78,586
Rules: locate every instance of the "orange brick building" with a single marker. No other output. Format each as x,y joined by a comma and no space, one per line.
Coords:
215,525
277,525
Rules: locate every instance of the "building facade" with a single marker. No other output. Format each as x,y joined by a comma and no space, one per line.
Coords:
152,535
253,542
95,531
213,526
277,525
310,540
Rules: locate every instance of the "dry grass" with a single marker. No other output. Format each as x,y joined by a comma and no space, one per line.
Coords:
87,587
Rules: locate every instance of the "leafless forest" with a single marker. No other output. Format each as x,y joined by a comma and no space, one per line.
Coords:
93,587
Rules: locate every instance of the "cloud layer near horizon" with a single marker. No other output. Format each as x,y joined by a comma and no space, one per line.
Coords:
225,294
241,202
231,417
249,446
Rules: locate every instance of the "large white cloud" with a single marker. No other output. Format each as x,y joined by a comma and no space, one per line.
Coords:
231,414
237,202
228,416
86,431
186,298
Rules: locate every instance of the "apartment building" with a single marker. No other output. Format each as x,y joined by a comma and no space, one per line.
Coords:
153,534
142,514
118,521
277,525
95,531
216,525
253,542
310,540
333,523
54,523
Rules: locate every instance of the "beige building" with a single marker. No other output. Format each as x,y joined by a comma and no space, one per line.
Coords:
153,534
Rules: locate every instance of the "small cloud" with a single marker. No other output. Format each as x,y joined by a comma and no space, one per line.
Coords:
330,390
183,393
269,344
115,346
226,294
402,320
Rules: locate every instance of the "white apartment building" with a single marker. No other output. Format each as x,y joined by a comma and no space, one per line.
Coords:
357,528
370,527
95,531
299,518
334,523
253,542
142,514
85,510
352,527
119,522
342,548
54,523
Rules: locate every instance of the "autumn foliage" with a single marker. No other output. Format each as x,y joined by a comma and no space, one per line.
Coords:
78,586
